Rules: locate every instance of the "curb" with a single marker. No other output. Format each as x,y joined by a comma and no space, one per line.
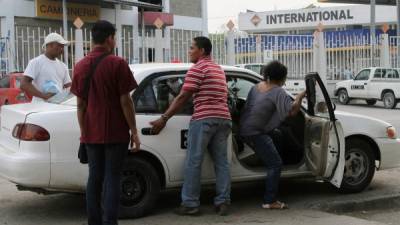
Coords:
381,202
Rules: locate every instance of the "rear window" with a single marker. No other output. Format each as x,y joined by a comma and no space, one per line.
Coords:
391,74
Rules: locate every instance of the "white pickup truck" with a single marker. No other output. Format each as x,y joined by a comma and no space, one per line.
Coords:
371,84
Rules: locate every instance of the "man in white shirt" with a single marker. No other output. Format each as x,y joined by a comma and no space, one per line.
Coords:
45,75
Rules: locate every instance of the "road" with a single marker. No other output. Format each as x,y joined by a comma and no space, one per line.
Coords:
310,202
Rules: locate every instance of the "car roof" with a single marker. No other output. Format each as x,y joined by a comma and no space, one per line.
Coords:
141,71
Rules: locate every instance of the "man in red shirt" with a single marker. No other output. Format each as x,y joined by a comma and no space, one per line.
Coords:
209,129
106,118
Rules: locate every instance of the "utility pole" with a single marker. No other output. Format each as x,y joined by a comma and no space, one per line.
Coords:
373,31
398,17
65,28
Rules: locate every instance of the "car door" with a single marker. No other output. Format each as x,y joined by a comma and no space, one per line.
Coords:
152,99
358,88
324,138
374,86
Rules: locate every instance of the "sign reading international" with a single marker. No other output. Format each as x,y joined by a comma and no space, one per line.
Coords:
308,17
53,10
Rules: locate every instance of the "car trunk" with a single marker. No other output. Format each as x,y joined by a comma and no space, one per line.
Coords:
12,115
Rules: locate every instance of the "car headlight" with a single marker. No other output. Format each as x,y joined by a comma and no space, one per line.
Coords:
391,132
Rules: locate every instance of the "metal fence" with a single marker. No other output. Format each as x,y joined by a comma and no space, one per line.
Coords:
4,56
346,53
394,50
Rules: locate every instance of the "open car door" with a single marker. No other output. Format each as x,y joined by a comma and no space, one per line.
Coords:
324,137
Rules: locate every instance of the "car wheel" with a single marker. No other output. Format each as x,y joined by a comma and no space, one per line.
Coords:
359,168
370,101
389,100
343,97
6,102
140,188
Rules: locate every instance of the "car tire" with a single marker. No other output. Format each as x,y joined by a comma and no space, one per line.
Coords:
6,102
359,167
389,100
343,97
140,188
371,101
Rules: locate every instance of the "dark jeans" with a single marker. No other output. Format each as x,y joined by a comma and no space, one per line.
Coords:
266,151
102,191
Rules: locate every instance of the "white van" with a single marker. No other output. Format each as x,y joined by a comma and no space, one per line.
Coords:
372,84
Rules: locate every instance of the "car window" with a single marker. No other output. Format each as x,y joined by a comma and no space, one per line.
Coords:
238,90
391,73
363,75
239,86
18,82
158,94
5,82
379,73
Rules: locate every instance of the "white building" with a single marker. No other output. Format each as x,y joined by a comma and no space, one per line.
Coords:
24,23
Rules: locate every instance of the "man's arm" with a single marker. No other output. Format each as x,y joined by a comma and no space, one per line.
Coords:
82,106
297,104
67,85
128,109
175,107
30,89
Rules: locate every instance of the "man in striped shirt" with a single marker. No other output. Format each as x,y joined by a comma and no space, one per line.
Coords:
209,128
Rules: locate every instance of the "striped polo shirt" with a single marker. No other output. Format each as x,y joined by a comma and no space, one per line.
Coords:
207,81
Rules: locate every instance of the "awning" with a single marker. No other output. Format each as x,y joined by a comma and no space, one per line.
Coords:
138,4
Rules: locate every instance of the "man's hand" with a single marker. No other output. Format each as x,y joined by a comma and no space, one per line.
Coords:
158,125
47,96
135,141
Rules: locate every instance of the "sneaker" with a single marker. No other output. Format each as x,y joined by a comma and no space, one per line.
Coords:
187,211
275,205
222,209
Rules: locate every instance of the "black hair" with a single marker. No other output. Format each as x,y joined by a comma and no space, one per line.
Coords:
203,43
275,71
101,30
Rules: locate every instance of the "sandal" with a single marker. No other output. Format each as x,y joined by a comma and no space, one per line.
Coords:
275,205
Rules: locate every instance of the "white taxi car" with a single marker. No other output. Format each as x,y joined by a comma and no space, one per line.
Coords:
39,142
371,84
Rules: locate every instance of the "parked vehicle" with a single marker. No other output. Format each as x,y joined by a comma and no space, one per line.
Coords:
371,84
10,92
39,142
255,67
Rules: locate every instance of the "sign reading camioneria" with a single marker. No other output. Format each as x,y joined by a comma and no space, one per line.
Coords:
310,18
53,10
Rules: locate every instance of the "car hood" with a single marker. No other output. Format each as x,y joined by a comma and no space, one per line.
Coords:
360,124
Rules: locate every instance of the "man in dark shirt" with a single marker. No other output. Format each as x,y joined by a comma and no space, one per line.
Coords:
107,121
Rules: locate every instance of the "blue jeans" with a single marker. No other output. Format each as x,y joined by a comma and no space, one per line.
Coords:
105,167
211,134
265,149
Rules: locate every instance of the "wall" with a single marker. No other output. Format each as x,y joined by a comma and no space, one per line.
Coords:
190,8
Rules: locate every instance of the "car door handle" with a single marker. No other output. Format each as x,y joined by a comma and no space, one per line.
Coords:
147,131
365,83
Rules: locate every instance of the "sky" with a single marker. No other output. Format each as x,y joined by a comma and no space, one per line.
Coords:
221,11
